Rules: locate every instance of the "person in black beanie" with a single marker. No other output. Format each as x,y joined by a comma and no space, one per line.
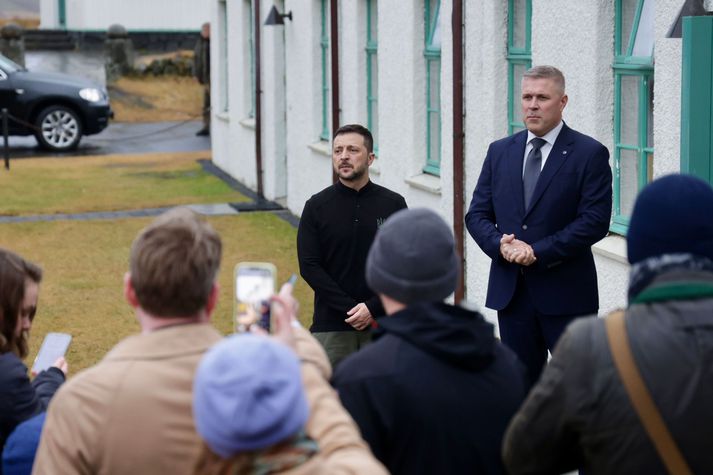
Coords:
435,391
579,415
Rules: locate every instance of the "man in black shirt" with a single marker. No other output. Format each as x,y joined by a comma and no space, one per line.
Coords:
336,230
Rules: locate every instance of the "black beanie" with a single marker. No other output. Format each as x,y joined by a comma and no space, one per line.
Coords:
673,214
413,258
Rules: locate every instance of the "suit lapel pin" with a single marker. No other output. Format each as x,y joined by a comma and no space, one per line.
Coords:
564,152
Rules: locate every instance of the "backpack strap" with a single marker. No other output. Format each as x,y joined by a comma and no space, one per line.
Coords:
640,397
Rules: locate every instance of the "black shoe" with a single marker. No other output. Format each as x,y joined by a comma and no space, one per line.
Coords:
203,132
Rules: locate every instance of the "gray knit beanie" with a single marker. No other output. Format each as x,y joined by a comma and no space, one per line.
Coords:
413,258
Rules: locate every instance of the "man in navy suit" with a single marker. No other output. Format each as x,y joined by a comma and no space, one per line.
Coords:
544,196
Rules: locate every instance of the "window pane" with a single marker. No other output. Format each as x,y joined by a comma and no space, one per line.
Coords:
373,23
374,126
650,114
373,97
516,106
434,67
629,111
435,138
644,42
628,12
629,183
436,37
519,19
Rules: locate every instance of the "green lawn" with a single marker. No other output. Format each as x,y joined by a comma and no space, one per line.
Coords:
84,261
109,183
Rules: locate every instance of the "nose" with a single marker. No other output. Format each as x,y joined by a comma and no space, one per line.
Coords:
533,104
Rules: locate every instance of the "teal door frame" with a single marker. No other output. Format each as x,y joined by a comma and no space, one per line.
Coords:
697,97
62,13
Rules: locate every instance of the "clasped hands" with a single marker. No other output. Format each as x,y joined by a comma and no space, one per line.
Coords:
359,316
514,250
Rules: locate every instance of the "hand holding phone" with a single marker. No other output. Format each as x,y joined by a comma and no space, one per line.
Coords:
254,286
53,348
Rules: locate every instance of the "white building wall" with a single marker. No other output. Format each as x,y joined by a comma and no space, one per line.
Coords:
160,15
577,37
309,163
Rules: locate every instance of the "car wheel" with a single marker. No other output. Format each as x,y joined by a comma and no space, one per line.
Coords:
58,128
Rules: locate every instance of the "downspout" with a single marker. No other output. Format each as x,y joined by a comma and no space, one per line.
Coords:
258,113
334,52
458,143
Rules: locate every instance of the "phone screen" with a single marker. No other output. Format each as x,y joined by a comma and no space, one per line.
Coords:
53,346
254,285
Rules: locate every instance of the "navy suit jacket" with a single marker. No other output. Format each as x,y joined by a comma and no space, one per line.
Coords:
569,211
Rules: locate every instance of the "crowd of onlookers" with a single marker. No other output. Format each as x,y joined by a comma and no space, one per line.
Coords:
436,392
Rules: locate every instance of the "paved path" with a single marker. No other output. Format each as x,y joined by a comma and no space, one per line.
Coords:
124,138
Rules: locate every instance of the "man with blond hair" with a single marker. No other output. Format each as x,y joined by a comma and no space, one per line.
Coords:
543,198
131,413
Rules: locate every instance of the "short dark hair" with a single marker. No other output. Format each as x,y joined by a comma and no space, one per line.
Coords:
14,272
357,129
174,263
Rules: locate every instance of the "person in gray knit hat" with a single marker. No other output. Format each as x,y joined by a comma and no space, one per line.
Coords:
431,362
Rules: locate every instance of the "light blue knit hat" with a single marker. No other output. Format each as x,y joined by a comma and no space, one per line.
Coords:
248,395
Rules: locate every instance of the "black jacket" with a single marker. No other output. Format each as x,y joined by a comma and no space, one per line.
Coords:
21,399
335,233
435,392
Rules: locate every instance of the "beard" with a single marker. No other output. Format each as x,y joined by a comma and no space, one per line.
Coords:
351,174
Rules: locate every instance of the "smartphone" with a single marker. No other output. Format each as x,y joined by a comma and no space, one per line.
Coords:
53,346
254,285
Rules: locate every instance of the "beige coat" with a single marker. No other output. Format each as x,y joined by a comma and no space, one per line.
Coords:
131,413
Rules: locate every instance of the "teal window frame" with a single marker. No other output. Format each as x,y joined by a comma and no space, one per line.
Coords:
324,52
517,56
697,98
372,81
251,48
432,55
224,79
626,65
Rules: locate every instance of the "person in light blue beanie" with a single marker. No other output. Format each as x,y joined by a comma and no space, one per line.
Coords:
248,395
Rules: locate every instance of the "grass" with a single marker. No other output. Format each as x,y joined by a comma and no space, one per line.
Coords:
27,23
84,263
109,183
155,99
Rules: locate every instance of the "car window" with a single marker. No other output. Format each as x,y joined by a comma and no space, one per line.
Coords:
9,66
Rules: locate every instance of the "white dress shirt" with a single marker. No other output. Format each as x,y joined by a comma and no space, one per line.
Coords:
549,138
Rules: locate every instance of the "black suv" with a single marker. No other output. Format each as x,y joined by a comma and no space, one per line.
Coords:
57,109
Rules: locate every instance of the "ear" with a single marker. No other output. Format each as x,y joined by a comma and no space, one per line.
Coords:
371,158
129,292
212,300
563,102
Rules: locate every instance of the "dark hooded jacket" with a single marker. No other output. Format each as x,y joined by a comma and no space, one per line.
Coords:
435,392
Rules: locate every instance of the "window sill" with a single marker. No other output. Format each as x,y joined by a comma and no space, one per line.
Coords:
425,182
248,123
612,247
224,116
321,147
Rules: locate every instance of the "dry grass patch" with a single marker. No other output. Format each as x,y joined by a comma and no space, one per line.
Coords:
156,99
110,183
84,263
27,23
